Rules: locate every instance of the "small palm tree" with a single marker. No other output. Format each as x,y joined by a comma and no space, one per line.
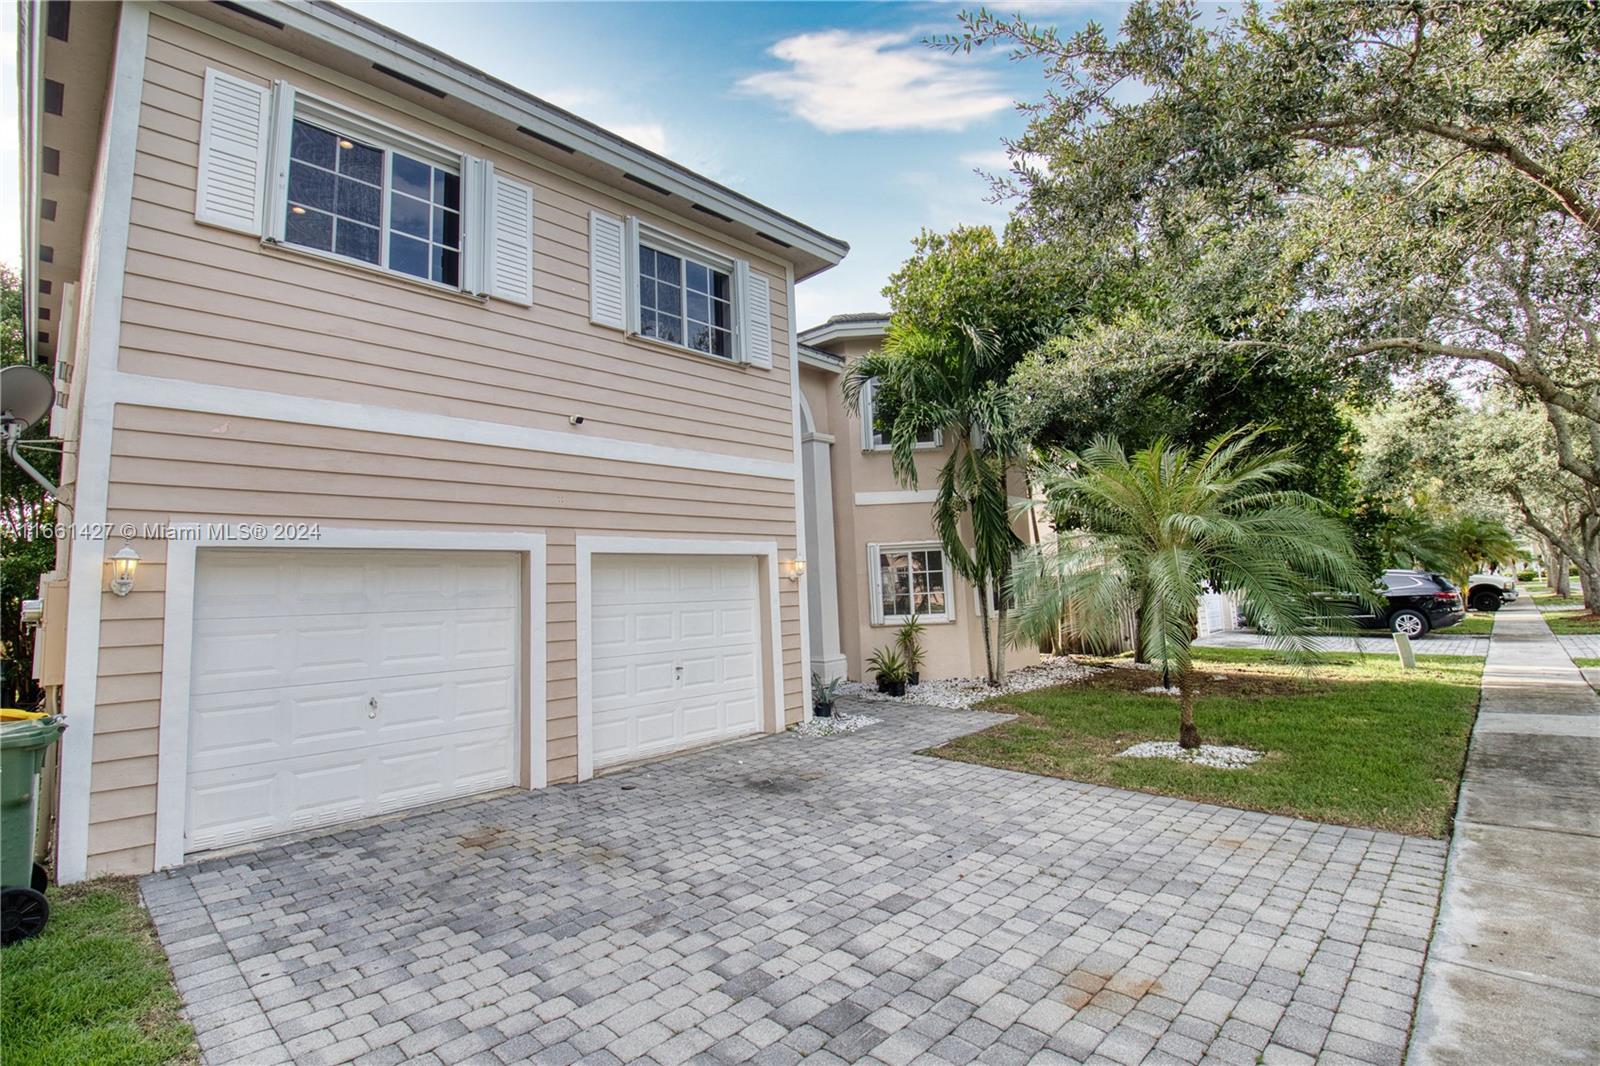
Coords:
927,384
1150,533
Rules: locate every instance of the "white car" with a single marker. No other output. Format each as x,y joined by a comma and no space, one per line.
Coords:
1490,592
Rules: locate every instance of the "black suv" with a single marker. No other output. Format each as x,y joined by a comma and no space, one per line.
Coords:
1417,602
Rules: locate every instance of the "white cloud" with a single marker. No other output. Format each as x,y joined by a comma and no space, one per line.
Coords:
994,160
841,81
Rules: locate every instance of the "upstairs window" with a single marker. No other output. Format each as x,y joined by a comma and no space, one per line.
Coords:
686,302
373,204
877,433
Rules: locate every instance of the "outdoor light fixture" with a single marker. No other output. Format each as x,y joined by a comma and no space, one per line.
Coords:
124,567
794,569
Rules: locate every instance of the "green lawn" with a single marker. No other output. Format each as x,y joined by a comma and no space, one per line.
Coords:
1543,598
1567,624
1586,663
1358,741
93,989
1475,624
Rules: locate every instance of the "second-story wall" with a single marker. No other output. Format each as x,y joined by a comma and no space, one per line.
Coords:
207,305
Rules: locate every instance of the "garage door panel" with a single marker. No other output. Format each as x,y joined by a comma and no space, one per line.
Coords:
697,625
664,631
283,731
656,728
703,719
739,666
237,735
736,622
652,627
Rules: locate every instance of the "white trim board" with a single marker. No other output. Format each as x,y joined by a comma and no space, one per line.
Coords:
797,401
180,395
883,499
589,546
854,329
100,337
172,775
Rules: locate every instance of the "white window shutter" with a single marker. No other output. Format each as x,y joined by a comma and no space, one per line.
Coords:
607,272
630,273
509,273
235,122
279,144
875,583
475,199
755,313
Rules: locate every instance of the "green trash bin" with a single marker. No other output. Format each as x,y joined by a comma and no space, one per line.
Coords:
23,909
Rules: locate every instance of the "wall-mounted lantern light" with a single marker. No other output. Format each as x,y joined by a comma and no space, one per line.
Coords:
124,568
794,569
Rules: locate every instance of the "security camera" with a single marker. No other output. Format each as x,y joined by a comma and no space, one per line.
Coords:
576,420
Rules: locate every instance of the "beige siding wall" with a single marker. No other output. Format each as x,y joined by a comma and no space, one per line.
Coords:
206,305
213,306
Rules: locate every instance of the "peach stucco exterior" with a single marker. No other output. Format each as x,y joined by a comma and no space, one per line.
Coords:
870,506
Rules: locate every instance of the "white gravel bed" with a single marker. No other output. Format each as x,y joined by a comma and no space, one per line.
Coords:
835,725
958,694
1223,758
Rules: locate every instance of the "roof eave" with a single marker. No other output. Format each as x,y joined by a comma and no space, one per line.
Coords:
811,250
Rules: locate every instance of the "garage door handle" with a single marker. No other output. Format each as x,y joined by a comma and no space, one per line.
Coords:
373,704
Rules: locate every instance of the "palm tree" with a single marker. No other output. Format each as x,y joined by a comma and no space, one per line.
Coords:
926,384
1152,532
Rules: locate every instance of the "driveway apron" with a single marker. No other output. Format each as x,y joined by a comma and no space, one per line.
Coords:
838,899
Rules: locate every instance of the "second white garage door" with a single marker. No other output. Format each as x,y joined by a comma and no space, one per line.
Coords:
330,684
675,648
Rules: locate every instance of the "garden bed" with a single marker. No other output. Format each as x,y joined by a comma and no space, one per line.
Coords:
963,692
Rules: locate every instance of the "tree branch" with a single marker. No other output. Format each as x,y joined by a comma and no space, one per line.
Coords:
1538,382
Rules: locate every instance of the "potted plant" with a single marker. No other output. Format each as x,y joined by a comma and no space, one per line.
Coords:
909,641
822,695
890,668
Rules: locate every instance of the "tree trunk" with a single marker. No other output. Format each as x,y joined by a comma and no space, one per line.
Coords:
1000,642
1589,569
1138,637
983,615
1556,565
1188,735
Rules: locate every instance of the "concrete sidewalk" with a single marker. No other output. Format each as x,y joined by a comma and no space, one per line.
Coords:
1513,973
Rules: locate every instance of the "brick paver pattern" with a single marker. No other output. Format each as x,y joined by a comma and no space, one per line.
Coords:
1443,642
837,899
1581,646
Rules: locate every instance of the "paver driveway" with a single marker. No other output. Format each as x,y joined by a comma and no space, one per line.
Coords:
833,899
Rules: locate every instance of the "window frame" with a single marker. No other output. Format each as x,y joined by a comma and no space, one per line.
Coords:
869,441
660,241
875,553
389,139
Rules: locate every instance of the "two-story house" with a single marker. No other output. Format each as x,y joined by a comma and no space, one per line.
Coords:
457,439
874,557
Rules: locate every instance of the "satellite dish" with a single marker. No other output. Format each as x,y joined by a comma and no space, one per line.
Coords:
25,396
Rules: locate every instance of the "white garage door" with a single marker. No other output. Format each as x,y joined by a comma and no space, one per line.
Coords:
331,685
675,650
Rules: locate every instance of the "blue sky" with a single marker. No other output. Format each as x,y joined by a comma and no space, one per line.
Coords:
833,113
